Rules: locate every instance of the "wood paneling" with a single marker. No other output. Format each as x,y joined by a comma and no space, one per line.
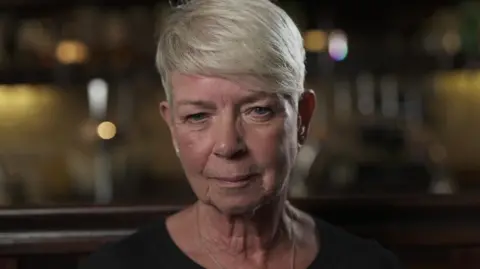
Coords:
440,232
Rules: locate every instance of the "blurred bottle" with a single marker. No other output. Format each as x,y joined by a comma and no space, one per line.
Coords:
36,44
4,198
117,41
342,102
141,21
442,181
5,37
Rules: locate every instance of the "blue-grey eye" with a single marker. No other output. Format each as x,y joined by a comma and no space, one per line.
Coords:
197,117
262,111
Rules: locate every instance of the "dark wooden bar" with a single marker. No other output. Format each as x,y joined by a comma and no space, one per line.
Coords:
424,231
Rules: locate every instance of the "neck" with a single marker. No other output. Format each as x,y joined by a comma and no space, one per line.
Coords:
247,236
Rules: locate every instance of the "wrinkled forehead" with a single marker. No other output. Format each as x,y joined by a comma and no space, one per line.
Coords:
201,86
179,80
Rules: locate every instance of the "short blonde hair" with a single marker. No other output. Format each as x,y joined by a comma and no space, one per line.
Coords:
233,39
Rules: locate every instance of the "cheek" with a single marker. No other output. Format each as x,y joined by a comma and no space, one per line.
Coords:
274,147
194,149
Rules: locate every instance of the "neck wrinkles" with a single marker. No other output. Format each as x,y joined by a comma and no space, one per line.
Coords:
246,236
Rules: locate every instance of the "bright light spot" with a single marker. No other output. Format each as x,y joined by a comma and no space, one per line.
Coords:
98,97
315,40
97,89
106,130
338,45
71,52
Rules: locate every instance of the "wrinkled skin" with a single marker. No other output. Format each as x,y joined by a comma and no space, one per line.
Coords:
236,145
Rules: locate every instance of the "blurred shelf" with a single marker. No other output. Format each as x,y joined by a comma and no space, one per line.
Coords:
342,209
82,74
421,229
71,75
399,201
61,4
34,76
401,220
365,4
397,15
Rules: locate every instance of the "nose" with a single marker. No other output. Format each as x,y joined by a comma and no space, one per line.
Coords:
229,143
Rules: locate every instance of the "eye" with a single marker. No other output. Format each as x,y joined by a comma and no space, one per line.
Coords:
261,110
261,113
197,117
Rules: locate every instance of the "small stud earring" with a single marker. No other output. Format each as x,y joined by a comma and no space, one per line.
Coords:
175,147
302,130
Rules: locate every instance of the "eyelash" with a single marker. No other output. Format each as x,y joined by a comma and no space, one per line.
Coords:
264,116
190,117
268,114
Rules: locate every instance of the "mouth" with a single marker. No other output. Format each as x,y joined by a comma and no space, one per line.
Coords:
235,181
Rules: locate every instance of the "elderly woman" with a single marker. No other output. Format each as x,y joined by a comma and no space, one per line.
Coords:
233,72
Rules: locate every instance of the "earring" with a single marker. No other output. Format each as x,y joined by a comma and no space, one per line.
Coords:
302,131
175,147
302,134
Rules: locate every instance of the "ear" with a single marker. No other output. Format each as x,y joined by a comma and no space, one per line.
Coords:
166,113
306,107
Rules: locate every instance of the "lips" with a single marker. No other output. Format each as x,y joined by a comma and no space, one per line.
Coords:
239,181
235,178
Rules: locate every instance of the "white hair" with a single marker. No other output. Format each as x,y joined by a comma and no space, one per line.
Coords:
233,39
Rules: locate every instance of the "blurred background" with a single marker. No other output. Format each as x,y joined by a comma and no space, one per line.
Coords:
393,153
398,88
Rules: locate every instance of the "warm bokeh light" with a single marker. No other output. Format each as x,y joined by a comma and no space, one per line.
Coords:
106,130
16,97
21,103
315,40
71,52
451,42
462,81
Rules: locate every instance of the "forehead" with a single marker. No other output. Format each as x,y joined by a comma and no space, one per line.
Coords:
209,86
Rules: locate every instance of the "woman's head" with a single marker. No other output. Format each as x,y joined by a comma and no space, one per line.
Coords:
231,39
233,72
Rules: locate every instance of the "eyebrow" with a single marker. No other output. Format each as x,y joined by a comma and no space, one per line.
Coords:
254,97
197,103
211,105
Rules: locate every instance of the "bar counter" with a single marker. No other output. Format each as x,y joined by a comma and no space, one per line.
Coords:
425,231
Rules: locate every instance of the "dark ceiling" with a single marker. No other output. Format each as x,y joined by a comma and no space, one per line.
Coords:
378,17
367,17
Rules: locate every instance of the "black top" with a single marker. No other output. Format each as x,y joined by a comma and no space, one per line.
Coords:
153,248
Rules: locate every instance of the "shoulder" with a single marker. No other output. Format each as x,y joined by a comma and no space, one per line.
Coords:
345,250
130,252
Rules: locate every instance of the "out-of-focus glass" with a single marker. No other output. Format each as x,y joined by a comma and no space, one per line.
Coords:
397,112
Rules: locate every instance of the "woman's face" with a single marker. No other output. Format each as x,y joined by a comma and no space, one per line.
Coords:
236,145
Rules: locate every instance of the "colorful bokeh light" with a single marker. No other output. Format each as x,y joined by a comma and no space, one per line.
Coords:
338,45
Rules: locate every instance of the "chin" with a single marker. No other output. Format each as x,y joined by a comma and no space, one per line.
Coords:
237,206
